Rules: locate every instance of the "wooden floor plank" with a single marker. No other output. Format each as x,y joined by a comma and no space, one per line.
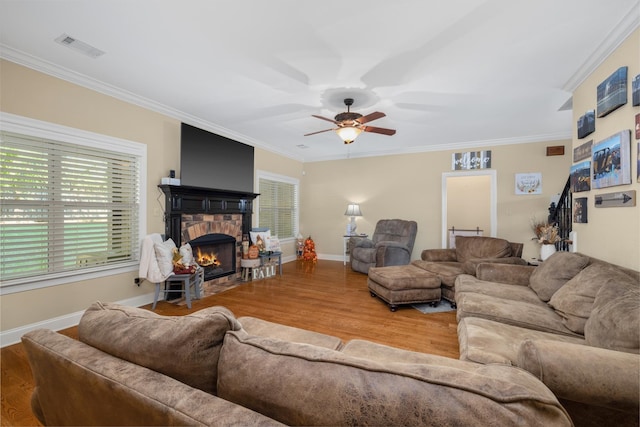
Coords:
326,297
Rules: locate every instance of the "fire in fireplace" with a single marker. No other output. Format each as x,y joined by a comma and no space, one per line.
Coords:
216,254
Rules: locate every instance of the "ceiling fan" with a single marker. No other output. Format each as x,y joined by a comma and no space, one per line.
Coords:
350,125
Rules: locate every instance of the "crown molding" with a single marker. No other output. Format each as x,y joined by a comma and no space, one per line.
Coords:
51,69
614,39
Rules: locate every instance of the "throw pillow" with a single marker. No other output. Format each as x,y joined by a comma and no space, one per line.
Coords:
574,300
186,252
186,348
261,237
615,318
554,272
474,247
164,255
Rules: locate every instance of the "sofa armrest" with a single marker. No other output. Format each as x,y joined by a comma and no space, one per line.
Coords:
581,373
361,243
390,253
77,384
513,274
439,255
470,266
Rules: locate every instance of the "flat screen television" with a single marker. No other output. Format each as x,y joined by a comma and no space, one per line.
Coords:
213,161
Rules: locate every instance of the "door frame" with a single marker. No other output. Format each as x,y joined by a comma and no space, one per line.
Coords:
492,173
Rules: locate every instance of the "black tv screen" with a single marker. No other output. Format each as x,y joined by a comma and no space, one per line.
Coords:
213,161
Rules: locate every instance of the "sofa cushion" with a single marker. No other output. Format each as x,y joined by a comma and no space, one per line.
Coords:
537,316
574,300
447,271
486,341
299,384
471,247
183,347
263,328
555,271
614,322
467,283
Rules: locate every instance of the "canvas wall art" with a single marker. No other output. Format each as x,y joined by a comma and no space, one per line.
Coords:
611,161
612,93
586,124
529,183
580,210
580,177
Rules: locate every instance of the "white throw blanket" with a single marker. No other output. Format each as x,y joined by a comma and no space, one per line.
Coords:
149,268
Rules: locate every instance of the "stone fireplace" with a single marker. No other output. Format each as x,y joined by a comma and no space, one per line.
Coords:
213,221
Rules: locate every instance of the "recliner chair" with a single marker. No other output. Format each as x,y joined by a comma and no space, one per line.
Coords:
391,244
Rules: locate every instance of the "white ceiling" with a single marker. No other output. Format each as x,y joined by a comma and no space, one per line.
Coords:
454,74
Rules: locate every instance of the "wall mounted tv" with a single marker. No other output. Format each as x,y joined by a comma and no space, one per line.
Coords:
214,161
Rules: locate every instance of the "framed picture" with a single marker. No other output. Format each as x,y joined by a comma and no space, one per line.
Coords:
638,167
637,126
612,161
612,93
580,177
635,91
586,124
583,151
580,210
529,183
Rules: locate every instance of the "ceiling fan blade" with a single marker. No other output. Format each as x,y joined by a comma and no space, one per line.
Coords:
370,117
324,118
379,130
320,131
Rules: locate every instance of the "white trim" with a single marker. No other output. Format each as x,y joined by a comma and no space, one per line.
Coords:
629,23
12,336
492,173
41,129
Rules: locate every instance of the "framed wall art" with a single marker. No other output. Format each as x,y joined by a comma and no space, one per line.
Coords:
583,151
580,210
612,161
586,124
580,177
612,93
635,91
529,183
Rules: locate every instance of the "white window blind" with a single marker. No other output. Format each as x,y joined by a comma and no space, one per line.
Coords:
65,207
278,205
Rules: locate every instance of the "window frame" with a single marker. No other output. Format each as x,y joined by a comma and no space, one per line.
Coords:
261,174
41,129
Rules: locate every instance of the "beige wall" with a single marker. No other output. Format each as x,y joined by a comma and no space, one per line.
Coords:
409,187
612,234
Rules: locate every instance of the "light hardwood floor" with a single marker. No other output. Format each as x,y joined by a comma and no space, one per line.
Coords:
326,297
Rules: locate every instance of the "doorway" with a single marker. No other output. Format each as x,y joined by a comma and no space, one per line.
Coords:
469,201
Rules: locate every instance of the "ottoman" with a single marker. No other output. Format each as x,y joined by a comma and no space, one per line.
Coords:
404,284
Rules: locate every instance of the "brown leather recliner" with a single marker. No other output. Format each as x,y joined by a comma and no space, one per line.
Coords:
468,253
391,244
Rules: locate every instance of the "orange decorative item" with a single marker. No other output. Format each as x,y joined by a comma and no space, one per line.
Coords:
309,251
253,252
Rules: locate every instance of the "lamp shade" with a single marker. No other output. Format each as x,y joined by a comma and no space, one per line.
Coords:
348,133
353,210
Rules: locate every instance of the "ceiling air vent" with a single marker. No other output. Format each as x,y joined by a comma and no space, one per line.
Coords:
79,46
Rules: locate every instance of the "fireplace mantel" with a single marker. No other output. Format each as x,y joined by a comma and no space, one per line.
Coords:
180,199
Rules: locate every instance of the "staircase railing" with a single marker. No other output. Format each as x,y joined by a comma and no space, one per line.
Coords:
562,216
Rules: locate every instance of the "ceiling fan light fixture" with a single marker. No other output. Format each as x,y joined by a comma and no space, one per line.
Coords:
348,133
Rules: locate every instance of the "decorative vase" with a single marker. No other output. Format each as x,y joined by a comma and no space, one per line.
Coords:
546,251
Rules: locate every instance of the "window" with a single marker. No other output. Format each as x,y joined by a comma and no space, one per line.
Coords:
278,204
70,201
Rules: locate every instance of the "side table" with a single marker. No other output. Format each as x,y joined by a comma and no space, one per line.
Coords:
346,249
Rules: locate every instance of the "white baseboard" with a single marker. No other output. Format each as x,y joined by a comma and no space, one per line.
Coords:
12,336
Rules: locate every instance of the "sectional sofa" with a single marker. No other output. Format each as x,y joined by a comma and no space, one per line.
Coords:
573,322
133,367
